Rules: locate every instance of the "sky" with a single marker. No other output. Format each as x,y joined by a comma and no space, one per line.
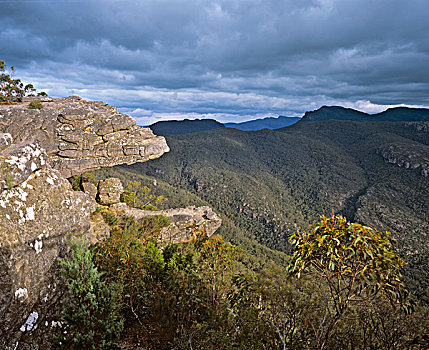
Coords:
231,60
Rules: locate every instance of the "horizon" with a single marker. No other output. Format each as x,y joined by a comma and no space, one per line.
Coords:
223,60
276,117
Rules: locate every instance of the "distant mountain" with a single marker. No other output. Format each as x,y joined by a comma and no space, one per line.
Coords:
177,127
265,123
398,114
174,127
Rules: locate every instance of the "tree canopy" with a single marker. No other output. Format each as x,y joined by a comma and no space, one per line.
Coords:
357,263
11,89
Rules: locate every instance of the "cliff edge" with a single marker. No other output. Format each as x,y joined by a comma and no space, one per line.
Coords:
40,212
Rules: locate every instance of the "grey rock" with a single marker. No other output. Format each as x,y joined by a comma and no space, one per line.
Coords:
412,155
5,140
109,191
37,218
90,189
422,126
19,161
79,135
185,222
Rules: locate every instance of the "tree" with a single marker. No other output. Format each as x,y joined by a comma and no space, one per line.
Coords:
13,89
216,260
91,313
357,264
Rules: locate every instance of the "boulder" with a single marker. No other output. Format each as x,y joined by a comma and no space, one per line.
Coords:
90,189
37,218
109,191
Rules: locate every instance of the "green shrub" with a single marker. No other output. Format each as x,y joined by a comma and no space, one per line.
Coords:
111,219
91,312
36,104
162,293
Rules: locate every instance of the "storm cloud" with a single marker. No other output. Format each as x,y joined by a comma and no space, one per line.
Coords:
230,60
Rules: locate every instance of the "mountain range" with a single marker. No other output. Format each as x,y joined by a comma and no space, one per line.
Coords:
187,126
264,123
265,184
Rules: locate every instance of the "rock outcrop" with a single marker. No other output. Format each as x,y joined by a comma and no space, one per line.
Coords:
79,135
422,126
184,222
109,191
39,211
416,157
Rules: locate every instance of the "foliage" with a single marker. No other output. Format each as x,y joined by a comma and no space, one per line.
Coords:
90,314
161,291
110,218
12,89
209,294
184,126
138,196
77,180
36,104
356,262
215,258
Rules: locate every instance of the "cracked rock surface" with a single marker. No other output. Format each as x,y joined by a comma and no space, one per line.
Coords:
80,135
416,157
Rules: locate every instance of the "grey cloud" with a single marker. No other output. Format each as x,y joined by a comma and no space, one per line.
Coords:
280,56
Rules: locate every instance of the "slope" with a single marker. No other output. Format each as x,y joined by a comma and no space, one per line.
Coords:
175,127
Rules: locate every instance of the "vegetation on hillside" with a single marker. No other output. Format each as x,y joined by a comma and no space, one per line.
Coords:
269,183
206,295
176,127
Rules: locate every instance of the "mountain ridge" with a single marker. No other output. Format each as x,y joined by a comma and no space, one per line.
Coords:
265,123
395,114
324,113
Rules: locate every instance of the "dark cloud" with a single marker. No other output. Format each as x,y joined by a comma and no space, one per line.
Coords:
228,59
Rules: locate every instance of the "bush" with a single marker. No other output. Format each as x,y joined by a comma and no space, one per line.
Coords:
162,293
357,263
110,218
91,313
36,104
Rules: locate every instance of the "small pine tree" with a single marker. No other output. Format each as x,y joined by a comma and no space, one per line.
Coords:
91,313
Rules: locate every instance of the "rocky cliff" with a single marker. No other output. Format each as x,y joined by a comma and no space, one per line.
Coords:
409,158
39,211
80,135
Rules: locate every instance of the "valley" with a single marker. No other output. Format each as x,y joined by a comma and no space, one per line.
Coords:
269,183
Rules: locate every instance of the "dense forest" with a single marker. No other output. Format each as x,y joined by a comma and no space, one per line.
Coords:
269,183
266,185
